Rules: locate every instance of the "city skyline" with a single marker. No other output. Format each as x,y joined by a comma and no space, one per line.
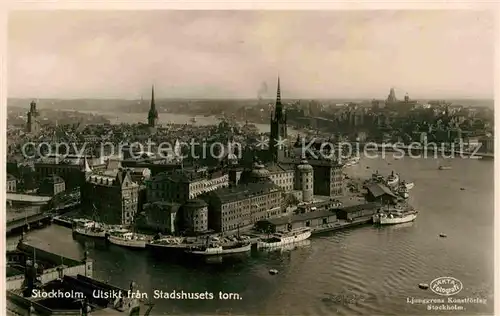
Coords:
346,54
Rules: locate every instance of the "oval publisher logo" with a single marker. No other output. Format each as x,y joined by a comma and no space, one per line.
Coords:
446,286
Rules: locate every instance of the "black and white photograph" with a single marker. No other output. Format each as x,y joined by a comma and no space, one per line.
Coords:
250,162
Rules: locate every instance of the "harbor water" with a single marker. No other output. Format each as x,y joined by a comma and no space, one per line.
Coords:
366,270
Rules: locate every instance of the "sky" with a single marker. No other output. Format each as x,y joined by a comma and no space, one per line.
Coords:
239,54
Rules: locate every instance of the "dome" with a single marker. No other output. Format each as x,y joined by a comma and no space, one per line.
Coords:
304,165
196,203
259,171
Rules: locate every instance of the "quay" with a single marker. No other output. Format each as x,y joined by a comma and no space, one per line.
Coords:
53,266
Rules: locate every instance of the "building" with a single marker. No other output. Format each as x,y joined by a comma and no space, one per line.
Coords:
33,122
140,175
357,212
182,185
328,178
377,192
70,168
241,206
160,216
51,266
312,219
282,175
114,199
52,185
487,144
153,113
11,183
279,135
304,180
195,216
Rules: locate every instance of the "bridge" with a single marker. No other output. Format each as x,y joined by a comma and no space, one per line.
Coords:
17,223
27,199
20,222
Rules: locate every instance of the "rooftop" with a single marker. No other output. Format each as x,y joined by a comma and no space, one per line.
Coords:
244,191
378,189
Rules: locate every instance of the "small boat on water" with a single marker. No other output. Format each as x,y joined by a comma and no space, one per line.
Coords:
284,238
376,177
128,239
394,215
408,185
444,168
217,250
392,179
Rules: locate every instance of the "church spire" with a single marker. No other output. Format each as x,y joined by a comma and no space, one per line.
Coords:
278,93
153,107
153,113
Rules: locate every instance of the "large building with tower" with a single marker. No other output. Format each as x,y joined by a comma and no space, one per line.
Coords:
33,122
278,138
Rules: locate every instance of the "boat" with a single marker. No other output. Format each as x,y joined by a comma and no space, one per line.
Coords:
423,286
408,185
289,247
403,191
392,179
284,238
128,239
89,228
444,168
217,250
95,231
169,244
376,177
394,215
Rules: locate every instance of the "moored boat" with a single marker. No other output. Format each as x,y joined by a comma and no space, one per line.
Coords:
392,179
284,238
129,239
217,250
170,245
403,192
408,185
376,177
94,231
395,215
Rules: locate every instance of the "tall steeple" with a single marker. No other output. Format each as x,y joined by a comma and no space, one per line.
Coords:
278,110
153,107
153,113
278,94
278,129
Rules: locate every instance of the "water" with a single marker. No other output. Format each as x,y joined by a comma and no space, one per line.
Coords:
166,118
380,267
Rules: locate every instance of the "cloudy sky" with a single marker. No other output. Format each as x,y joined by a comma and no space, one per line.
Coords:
318,54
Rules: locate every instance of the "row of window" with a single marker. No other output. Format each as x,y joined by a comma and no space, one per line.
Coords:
252,200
